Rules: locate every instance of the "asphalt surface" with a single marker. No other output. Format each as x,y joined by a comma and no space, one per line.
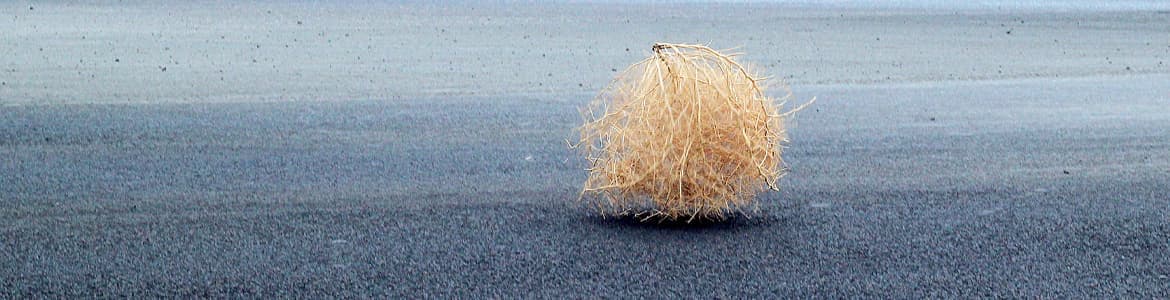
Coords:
1052,188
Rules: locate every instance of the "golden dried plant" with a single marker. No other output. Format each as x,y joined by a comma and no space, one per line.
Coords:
686,133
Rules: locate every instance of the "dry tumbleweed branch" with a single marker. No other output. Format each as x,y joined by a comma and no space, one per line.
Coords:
687,133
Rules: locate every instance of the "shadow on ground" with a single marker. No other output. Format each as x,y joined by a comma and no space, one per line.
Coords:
735,221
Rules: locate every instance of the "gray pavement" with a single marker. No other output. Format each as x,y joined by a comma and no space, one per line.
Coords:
1052,188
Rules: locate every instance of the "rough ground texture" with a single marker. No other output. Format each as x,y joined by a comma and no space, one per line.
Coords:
944,157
